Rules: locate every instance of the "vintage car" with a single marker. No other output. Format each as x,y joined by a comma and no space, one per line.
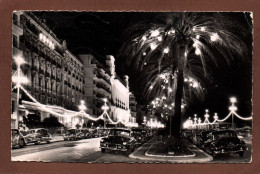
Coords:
141,135
222,142
118,139
17,139
37,136
86,133
73,134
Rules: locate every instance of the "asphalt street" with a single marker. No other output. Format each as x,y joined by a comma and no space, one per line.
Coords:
88,150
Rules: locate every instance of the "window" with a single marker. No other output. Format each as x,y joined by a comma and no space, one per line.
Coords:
15,41
15,19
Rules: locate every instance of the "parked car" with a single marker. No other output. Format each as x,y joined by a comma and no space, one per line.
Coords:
222,142
141,135
86,133
73,134
118,139
17,139
37,136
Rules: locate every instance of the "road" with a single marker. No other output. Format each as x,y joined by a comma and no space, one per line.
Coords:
88,150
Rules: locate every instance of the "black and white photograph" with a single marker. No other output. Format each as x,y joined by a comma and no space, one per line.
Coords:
132,87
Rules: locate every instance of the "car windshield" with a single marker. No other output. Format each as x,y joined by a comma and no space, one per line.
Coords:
228,134
120,132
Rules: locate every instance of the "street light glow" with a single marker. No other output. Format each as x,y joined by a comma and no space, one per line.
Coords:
166,50
233,100
153,46
214,37
155,33
19,60
197,51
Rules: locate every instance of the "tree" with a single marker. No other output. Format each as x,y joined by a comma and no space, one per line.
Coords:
174,50
51,122
32,120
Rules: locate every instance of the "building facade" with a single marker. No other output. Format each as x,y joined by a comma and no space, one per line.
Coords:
56,76
59,80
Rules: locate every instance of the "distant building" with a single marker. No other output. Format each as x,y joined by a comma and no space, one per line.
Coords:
133,108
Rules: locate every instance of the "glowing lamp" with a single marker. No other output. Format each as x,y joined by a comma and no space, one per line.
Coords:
198,37
155,33
105,100
233,100
159,38
202,28
144,38
197,51
195,84
195,44
19,60
144,53
166,50
232,108
215,116
153,46
82,106
214,37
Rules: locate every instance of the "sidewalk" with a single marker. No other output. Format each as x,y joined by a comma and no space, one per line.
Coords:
144,153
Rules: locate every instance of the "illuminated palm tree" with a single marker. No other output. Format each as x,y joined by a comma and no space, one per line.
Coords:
174,49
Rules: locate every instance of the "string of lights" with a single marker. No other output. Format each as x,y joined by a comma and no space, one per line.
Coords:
242,118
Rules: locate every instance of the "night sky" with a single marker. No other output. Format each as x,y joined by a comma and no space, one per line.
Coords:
103,33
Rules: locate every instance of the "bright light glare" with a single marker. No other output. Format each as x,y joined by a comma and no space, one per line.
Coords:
144,38
202,29
153,46
233,100
19,60
159,38
214,37
166,50
197,51
144,53
155,33
198,37
195,44
195,84
20,80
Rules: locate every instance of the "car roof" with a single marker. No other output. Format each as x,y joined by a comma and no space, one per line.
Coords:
221,131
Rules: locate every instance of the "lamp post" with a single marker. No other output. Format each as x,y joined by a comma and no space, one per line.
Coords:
18,79
215,118
105,108
232,109
207,118
82,108
195,120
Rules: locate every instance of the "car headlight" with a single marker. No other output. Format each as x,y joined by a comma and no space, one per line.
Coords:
124,143
102,140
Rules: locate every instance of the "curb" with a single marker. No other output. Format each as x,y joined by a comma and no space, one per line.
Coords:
168,156
176,160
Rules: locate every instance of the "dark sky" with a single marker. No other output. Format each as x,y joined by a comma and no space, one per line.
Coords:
103,33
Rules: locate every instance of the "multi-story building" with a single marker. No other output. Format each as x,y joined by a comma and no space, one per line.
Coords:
56,76
59,80
97,84
133,109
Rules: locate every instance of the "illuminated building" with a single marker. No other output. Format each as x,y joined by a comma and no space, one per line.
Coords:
56,76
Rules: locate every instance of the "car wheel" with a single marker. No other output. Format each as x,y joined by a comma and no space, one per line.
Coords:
241,154
103,150
21,143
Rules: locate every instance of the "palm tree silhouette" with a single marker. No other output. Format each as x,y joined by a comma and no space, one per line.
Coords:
173,53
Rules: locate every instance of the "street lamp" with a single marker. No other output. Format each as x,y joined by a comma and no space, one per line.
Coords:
82,106
195,120
105,108
232,109
18,79
206,121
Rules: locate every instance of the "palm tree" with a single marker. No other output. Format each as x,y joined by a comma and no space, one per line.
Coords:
176,47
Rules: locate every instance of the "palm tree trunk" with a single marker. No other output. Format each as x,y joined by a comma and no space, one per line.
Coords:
176,120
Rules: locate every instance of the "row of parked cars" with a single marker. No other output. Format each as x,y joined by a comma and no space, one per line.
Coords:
78,134
36,136
217,142
124,139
